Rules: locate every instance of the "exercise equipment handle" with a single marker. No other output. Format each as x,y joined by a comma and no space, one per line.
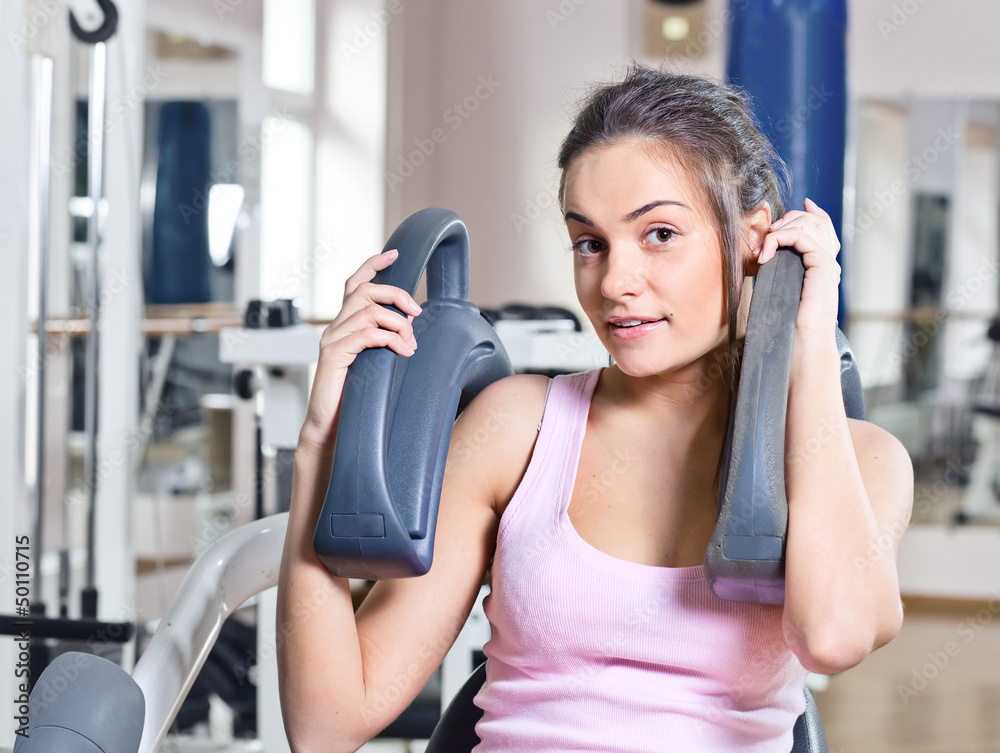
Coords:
397,412
752,486
436,240
745,557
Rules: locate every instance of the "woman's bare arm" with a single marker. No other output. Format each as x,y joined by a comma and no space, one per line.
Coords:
850,492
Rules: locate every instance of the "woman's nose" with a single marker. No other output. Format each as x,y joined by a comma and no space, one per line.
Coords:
624,273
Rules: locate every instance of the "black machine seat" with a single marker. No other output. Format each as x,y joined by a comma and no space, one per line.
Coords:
456,731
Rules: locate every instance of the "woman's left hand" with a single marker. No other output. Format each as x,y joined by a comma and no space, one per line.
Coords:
811,233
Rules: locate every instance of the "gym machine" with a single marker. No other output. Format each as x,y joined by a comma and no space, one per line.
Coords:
92,23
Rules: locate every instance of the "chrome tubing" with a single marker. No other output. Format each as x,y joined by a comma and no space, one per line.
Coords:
237,567
41,71
95,168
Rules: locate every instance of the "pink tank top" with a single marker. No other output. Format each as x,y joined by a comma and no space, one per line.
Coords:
590,652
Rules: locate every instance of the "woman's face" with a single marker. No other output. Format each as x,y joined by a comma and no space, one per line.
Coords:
645,248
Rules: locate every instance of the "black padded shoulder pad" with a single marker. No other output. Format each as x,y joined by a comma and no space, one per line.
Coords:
84,704
397,412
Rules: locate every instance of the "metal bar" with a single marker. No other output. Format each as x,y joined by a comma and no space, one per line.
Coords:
95,165
71,630
258,489
42,74
161,365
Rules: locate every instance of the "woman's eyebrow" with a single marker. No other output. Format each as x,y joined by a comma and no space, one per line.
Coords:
631,216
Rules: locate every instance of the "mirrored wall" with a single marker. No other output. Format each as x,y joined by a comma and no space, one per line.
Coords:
923,288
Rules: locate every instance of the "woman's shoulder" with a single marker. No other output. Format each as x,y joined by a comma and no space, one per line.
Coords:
506,409
498,429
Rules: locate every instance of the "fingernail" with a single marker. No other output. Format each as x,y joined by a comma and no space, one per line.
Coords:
415,307
391,252
413,342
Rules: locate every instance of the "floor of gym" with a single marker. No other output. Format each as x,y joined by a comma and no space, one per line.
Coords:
934,689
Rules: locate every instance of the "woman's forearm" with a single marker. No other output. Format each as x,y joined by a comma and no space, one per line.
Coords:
320,671
834,609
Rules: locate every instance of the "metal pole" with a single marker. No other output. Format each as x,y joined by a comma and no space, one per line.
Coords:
42,73
95,165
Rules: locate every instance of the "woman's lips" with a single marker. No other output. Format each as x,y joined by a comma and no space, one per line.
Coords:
631,333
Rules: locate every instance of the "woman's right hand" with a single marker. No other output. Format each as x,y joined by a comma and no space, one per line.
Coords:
363,322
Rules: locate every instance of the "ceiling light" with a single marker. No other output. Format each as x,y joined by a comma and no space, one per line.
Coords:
675,28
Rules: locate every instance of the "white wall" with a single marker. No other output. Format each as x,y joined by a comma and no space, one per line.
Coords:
924,48
350,130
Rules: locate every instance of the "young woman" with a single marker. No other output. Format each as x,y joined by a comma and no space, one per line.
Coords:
592,497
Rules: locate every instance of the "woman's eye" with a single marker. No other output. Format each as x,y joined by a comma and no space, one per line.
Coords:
587,246
660,235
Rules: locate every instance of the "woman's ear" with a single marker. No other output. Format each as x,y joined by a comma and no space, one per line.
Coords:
755,229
